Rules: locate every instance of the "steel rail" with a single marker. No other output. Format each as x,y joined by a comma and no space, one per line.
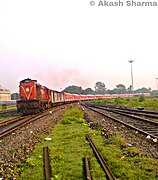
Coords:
104,165
6,112
153,123
127,114
128,109
25,122
19,125
9,121
47,167
88,174
141,111
126,124
137,113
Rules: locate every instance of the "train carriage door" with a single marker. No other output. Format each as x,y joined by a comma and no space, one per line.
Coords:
57,97
53,98
62,97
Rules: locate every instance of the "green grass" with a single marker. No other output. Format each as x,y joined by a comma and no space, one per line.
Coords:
126,162
4,117
136,102
67,149
8,116
8,107
68,146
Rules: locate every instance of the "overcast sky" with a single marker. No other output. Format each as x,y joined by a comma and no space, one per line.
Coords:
70,42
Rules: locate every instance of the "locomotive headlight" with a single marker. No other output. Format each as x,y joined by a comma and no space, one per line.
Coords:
27,89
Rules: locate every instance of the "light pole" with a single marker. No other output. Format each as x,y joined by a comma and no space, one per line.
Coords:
156,83
131,61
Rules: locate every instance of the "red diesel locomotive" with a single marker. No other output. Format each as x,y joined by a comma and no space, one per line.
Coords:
33,97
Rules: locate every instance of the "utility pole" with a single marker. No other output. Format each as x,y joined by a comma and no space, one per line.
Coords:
131,61
156,84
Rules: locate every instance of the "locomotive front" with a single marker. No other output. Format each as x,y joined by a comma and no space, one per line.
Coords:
29,97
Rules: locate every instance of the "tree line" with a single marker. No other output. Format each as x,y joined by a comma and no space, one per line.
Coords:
100,88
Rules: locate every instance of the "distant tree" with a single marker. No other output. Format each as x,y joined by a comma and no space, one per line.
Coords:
154,93
109,91
129,90
121,89
100,88
115,91
142,90
73,89
87,91
150,89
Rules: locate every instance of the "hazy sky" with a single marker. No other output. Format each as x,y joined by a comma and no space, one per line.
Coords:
70,42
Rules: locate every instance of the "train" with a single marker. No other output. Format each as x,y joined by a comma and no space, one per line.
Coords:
35,97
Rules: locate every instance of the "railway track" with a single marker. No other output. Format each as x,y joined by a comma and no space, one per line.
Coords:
138,113
141,113
145,113
139,124
47,166
87,168
48,171
10,125
23,141
101,160
7,112
10,120
9,128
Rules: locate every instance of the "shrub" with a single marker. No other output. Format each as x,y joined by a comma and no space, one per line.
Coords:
73,115
141,98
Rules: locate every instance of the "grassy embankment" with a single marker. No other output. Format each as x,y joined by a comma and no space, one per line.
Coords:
135,102
4,117
68,146
7,107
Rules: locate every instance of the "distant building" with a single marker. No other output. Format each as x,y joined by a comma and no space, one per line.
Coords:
4,94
